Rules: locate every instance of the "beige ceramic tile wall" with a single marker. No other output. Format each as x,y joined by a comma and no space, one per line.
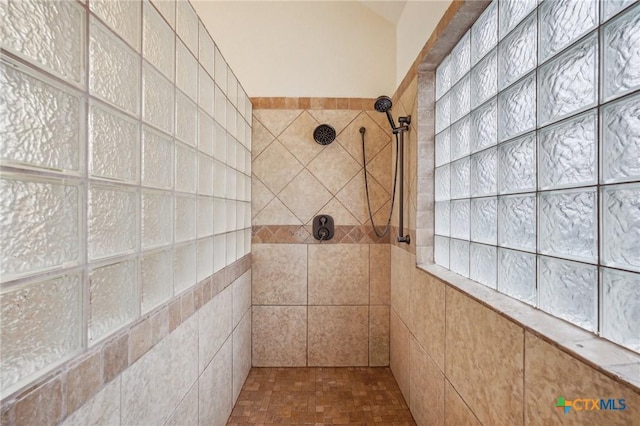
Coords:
173,386
454,359
315,304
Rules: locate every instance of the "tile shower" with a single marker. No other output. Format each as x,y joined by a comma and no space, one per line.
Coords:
126,190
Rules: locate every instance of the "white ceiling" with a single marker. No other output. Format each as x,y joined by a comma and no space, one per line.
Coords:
388,9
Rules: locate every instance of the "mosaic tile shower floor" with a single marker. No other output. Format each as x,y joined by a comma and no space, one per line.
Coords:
321,396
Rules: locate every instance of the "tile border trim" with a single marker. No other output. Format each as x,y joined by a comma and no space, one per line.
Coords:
302,234
358,104
166,318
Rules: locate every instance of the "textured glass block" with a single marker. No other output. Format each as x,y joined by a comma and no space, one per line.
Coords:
621,54
567,153
460,219
206,133
460,175
620,154
185,218
517,222
186,169
461,98
157,99
40,227
221,70
517,109
205,216
568,224
114,144
442,217
231,215
569,83
484,79
157,222
187,25
205,175
168,9
484,226
564,21
49,34
459,257
441,251
231,248
611,7
621,307
443,77
484,33
186,71
158,41
186,119
232,88
460,138
156,273
484,173
483,264
518,52
205,258
219,250
40,120
157,159
113,298
517,275
206,50
231,119
123,17
220,105
219,179
512,12
114,69
112,221
206,94
40,325
443,179
569,290
484,126
517,165
219,215
184,267
460,59
620,227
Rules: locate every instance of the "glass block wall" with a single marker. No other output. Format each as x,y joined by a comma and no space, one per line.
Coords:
126,171
537,179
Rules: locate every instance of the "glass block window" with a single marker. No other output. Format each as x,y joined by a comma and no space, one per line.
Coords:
537,154
126,171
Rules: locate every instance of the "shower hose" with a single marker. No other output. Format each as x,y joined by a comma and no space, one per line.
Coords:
366,186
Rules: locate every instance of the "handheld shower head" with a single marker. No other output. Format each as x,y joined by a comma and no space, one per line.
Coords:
383,104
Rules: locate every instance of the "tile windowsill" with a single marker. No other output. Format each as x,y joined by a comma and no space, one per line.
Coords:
618,363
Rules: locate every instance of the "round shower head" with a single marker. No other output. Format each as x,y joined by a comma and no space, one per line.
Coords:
383,104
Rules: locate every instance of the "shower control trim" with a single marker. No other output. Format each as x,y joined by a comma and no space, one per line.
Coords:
323,228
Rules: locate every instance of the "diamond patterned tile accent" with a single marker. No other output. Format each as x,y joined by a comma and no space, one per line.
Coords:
261,138
381,167
276,213
304,196
375,137
260,195
334,167
340,214
339,119
276,120
276,167
353,197
298,138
